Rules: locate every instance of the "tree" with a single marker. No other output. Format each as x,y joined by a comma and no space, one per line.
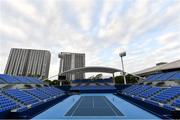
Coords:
49,82
129,79
119,80
55,82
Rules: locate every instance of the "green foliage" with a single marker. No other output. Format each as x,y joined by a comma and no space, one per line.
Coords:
119,80
55,82
129,79
49,82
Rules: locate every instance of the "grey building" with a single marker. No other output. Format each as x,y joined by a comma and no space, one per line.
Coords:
28,62
69,61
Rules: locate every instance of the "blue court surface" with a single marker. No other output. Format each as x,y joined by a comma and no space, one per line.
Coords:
95,106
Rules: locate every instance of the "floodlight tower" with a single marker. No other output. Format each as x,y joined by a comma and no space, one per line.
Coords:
122,54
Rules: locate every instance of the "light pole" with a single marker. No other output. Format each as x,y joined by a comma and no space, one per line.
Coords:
122,55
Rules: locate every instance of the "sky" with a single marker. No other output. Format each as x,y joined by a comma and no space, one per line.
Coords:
148,30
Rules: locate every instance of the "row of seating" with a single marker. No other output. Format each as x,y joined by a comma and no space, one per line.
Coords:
164,76
39,94
162,97
8,79
18,100
7,104
107,80
93,88
21,96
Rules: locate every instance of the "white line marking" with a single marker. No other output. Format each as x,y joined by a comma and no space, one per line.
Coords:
77,107
93,101
110,106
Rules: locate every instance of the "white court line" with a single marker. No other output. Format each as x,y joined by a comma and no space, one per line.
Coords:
77,107
110,106
93,101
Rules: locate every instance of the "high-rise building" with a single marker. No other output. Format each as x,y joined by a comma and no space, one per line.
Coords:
28,62
70,61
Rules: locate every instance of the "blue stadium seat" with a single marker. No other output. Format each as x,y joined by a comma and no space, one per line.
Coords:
7,104
150,77
150,92
37,93
167,95
22,80
34,80
167,98
176,76
18,80
140,90
176,103
169,107
93,88
166,76
9,79
131,89
18,100
22,96
155,77
2,81
51,91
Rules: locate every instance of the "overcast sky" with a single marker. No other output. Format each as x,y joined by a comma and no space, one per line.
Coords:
148,30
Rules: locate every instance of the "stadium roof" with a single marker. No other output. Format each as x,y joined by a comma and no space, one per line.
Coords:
164,67
93,69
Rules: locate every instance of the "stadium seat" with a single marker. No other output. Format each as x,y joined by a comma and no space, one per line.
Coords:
51,91
150,92
93,88
22,80
154,77
169,107
168,98
9,79
164,76
176,76
22,96
176,103
37,93
34,80
167,95
7,104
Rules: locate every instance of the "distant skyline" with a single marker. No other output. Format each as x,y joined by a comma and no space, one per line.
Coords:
149,31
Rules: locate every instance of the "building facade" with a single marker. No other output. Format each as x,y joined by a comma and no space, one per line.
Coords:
70,61
28,62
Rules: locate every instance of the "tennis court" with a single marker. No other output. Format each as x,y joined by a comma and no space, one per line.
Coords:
94,106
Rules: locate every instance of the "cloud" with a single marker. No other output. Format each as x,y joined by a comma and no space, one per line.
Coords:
148,31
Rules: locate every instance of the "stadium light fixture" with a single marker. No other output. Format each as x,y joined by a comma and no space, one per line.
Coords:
123,54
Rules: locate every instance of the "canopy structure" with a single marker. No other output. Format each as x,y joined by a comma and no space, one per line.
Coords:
92,69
